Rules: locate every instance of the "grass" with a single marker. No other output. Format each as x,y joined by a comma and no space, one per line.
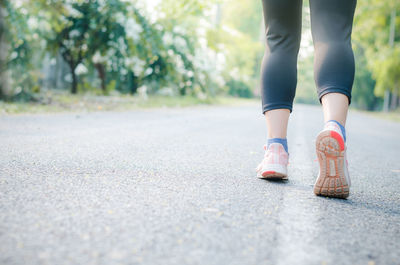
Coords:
56,102
392,116
64,102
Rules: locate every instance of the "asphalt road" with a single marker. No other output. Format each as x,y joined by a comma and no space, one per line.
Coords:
178,186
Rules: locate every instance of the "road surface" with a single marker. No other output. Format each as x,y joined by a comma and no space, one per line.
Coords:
178,186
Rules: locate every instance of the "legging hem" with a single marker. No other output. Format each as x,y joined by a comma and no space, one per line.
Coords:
272,106
334,89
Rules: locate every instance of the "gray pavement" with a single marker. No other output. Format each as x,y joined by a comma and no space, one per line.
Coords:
178,186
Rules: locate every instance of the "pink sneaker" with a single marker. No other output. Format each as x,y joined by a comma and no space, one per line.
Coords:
274,164
333,178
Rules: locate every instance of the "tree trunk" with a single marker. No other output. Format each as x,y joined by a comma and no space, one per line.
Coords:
182,91
393,102
74,87
102,75
386,103
72,66
398,101
5,88
133,82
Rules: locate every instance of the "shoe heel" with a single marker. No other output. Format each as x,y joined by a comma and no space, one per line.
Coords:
331,181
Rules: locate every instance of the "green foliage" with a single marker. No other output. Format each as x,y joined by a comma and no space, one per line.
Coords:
363,89
239,42
188,47
245,16
386,70
89,27
378,64
174,47
306,91
21,41
116,42
239,88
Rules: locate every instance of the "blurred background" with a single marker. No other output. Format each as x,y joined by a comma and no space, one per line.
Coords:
117,52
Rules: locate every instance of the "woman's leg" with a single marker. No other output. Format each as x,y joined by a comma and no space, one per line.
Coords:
335,106
277,122
331,25
282,20
278,80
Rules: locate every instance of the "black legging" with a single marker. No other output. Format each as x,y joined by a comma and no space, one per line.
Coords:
331,26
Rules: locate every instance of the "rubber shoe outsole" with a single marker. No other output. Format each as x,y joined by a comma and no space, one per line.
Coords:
272,175
331,181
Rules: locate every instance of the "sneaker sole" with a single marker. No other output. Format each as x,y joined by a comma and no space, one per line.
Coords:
331,181
273,175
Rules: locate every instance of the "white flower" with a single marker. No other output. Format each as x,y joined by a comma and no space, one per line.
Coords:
148,71
13,55
72,11
221,61
142,91
97,58
74,33
135,64
179,30
122,46
202,42
179,65
133,29
81,69
44,25
120,18
158,27
234,73
68,43
123,71
110,53
180,43
33,23
167,38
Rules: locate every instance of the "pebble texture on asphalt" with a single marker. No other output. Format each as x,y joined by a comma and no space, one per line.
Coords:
178,186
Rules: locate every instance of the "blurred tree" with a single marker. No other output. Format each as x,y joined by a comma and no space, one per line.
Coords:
122,42
4,75
189,55
18,45
250,14
363,96
71,41
374,31
84,29
106,35
239,46
125,46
